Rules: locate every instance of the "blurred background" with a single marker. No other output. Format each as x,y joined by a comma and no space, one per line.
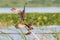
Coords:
46,25
47,12
31,3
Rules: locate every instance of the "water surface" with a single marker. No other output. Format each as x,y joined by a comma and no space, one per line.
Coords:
37,30
34,9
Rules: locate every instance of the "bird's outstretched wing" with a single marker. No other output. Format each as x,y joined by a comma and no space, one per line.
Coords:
22,14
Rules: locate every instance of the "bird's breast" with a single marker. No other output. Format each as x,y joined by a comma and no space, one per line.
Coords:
21,26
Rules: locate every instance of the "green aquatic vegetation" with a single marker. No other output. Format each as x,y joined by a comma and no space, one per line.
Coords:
41,18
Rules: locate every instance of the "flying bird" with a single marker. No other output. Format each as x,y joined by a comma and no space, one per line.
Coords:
22,16
20,13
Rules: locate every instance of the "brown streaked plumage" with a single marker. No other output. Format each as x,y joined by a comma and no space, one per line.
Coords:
23,24
28,26
20,13
16,10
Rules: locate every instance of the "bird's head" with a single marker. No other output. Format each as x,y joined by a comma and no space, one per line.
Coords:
15,10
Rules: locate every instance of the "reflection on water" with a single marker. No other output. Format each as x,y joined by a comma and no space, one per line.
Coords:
36,30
